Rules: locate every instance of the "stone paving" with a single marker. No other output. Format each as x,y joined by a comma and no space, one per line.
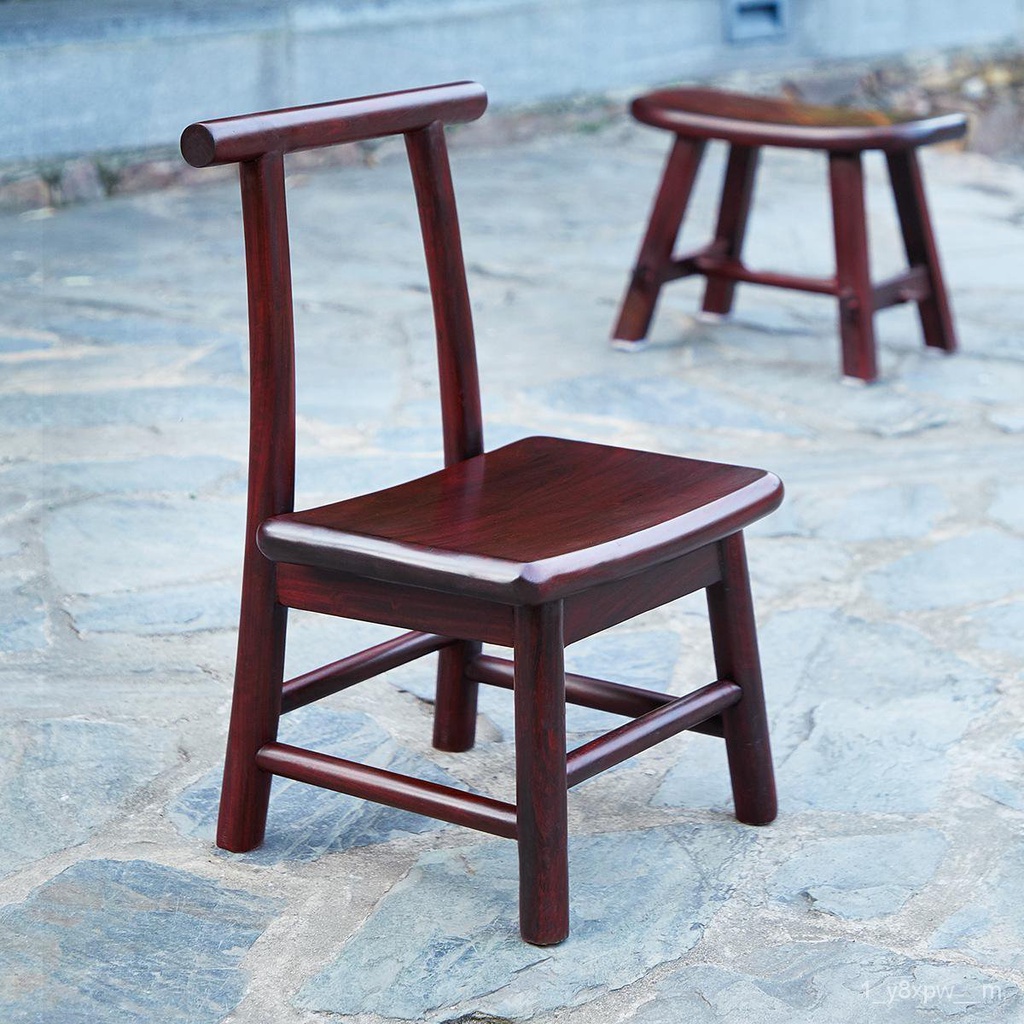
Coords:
889,591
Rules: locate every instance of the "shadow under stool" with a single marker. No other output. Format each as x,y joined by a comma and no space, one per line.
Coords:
530,546
747,123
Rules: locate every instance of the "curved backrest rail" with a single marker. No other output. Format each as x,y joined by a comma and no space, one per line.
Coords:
236,139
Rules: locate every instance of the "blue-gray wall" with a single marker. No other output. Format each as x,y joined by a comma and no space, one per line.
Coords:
91,75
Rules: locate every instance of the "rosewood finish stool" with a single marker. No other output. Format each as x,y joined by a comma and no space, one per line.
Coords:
531,546
749,122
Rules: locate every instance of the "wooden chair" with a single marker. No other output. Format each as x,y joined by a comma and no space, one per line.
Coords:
531,546
747,123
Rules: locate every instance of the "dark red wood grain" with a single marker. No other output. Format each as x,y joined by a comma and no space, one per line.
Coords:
259,667
460,530
390,788
230,140
766,121
747,123
357,668
745,723
530,546
541,786
679,714
922,251
733,214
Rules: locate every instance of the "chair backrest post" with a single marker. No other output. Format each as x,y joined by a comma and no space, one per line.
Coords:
461,417
258,143
271,340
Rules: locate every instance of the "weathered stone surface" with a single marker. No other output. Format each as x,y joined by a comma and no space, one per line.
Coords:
862,716
62,779
181,609
906,770
127,942
892,512
664,401
785,565
1008,420
1006,787
1008,507
23,619
967,380
445,943
137,329
116,544
306,822
826,982
1000,628
990,925
980,566
134,406
155,474
860,876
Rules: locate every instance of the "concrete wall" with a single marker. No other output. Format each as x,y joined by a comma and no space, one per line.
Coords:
95,75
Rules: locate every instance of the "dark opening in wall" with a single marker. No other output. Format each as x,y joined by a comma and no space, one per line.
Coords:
750,20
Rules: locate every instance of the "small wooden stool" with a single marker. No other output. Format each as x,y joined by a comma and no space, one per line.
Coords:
747,123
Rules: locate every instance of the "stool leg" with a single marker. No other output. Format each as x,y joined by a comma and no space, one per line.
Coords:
745,725
662,230
455,706
919,240
856,296
255,708
541,790
733,213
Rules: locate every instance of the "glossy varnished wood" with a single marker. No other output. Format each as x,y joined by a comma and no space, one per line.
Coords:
645,731
587,692
745,723
230,140
767,121
748,122
541,786
507,525
390,788
259,666
531,546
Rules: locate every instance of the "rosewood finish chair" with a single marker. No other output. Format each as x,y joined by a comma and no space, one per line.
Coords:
747,123
531,546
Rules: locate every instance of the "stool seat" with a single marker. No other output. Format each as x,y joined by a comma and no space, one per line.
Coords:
748,123
530,522
768,121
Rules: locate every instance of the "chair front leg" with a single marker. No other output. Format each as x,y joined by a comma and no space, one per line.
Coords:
745,724
853,277
733,214
255,708
919,241
541,791
655,256
455,705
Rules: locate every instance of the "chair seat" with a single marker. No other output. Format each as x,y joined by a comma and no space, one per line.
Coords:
530,522
762,121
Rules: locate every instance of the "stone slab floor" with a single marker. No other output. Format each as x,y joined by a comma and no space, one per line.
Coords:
890,591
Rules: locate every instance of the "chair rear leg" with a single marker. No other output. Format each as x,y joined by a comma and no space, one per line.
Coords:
856,296
541,790
919,240
733,214
455,706
255,709
745,724
659,241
